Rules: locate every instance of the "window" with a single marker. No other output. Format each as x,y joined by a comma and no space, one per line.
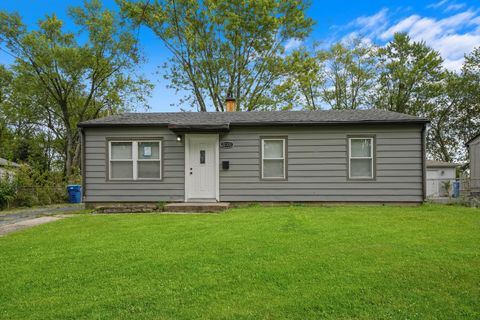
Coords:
135,160
273,158
360,152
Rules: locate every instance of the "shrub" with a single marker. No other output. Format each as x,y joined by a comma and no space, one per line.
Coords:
7,191
31,187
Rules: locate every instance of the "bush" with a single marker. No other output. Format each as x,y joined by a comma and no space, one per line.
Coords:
30,187
7,191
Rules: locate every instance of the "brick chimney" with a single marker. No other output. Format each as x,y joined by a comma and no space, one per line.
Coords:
231,104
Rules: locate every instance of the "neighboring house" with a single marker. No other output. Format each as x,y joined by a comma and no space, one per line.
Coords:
474,154
7,167
319,156
438,173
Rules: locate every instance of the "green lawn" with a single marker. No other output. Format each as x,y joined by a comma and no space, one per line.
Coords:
249,263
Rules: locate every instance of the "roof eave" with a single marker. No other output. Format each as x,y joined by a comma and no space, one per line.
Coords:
184,128
471,140
255,124
275,123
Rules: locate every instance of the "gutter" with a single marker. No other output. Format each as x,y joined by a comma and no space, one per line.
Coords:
424,163
82,162
180,128
250,124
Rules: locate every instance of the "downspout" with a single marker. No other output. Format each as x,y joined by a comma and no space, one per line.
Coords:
424,160
82,162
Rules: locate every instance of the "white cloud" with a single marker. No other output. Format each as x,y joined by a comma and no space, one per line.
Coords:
455,6
402,26
437,4
456,45
293,44
452,36
453,64
370,26
372,21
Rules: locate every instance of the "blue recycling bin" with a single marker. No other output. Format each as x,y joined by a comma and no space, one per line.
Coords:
456,189
74,193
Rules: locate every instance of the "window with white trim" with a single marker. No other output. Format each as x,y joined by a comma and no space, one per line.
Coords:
360,162
273,158
135,160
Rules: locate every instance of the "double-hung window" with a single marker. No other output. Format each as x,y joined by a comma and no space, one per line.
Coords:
273,158
361,157
135,160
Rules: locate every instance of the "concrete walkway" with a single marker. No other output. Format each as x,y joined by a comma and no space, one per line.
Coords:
26,218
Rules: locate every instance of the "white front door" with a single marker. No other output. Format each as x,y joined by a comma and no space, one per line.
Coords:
201,167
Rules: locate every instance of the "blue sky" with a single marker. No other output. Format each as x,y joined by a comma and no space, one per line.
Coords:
452,27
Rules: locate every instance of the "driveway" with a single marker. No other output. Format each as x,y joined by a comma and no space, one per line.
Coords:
24,218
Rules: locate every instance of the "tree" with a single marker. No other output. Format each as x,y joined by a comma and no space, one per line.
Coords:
456,115
470,109
444,138
350,72
224,48
68,80
411,76
304,81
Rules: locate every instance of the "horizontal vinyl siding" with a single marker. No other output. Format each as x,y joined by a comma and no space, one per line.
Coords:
98,189
317,165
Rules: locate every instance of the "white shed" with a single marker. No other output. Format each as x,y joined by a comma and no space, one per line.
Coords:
438,172
474,153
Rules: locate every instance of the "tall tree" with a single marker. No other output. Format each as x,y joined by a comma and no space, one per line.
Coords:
455,117
411,76
303,82
223,48
444,138
72,80
470,109
350,72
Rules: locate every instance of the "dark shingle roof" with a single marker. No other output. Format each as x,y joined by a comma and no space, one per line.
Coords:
473,138
254,118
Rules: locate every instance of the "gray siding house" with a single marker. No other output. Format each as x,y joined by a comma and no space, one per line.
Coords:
316,156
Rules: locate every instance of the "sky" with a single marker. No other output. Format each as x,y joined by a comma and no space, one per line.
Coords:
452,27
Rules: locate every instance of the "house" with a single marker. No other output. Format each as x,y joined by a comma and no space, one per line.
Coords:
438,174
7,167
473,146
316,156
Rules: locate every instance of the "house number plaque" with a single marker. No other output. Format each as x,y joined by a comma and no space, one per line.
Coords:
226,144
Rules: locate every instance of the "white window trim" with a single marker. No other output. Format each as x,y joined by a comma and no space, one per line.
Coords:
134,159
368,158
282,158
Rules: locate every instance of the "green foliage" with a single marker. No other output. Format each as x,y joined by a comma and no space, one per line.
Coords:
160,205
351,70
7,191
224,48
447,186
411,76
71,77
28,187
304,81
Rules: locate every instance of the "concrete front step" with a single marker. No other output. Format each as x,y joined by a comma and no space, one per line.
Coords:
196,207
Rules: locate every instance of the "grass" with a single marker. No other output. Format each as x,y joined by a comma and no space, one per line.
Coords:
250,263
